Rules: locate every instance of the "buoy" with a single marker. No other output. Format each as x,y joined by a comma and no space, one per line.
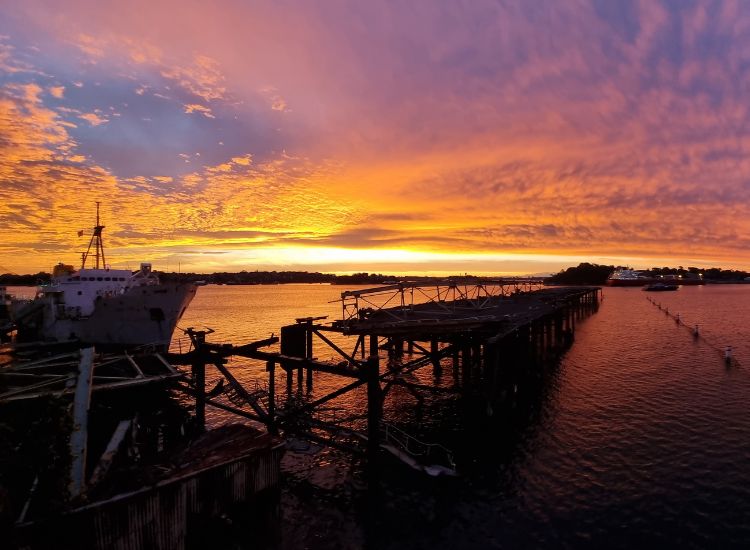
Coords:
677,319
728,355
696,332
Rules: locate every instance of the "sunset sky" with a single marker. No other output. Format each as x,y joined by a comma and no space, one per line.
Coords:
403,137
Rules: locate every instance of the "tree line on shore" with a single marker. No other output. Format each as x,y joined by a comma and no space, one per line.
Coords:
595,274
582,274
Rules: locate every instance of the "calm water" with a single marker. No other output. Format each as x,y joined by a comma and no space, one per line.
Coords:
641,435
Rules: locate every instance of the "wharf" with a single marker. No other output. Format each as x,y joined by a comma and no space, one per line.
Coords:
493,334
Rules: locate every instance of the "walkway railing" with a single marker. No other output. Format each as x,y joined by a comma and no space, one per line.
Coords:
426,452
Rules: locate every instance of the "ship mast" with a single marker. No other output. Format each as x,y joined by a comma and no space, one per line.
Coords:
96,242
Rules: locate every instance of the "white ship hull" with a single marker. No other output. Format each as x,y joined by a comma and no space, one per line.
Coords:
144,315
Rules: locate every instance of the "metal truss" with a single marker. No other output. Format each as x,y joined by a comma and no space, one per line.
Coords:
399,299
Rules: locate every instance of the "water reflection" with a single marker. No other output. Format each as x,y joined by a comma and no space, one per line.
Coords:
639,436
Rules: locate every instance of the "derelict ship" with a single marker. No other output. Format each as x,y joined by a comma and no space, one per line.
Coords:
105,307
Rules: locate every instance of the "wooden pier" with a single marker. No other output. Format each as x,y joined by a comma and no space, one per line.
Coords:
491,335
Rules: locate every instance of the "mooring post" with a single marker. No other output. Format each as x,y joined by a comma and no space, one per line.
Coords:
572,323
455,361
199,379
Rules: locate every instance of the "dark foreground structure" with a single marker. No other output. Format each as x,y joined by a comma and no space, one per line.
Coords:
97,452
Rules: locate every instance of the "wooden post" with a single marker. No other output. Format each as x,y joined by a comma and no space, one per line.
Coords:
309,355
398,346
476,361
199,379
374,410
466,365
435,357
271,369
374,345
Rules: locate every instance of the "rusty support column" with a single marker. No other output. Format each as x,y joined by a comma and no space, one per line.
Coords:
309,355
79,437
476,361
271,370
199,379
486,371
465,364
435,357
374,410
373,345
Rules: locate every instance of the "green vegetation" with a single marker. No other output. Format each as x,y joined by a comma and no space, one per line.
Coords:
595,274
583,274
11,279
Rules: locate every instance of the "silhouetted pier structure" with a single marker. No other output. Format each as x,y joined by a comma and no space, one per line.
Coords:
491,334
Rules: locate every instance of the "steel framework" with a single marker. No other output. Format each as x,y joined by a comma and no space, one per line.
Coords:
399,299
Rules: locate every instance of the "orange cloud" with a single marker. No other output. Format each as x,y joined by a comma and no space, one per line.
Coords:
195,108
586,130
93,119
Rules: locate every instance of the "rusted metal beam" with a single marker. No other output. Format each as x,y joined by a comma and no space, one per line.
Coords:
288,362
79,437
341,352
109,454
